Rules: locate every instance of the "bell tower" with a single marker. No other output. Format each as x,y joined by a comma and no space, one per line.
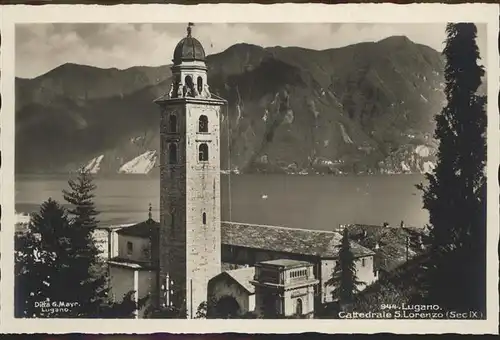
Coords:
190,209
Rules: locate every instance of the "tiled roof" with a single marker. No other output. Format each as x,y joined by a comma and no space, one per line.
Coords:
320,243
391,256
146,229
287,240
392,243
243,276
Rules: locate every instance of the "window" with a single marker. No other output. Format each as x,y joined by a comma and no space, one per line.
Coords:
130,248
172,153
203,123
203,153
188,81
298,307
204,218
200,84
172,123
363,262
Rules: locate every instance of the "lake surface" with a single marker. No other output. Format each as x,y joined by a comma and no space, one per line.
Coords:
311,202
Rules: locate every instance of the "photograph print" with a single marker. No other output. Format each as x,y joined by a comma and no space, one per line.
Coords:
250,170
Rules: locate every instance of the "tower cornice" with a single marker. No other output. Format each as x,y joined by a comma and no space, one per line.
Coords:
190,100
188,67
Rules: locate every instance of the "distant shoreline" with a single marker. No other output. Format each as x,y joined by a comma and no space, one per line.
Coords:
144,176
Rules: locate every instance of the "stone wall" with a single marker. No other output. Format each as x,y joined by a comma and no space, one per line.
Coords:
121,281
141,248
172,243
203,235
189,244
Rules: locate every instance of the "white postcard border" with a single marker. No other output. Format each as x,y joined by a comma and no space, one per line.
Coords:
292,13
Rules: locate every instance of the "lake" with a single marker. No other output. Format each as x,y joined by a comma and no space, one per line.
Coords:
311,202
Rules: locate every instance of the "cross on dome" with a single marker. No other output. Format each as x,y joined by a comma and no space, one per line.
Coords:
189,29
189,49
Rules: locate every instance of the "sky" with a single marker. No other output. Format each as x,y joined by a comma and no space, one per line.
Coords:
42,47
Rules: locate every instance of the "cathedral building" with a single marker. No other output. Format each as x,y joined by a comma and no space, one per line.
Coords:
190,256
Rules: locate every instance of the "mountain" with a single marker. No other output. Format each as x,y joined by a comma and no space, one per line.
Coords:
364,108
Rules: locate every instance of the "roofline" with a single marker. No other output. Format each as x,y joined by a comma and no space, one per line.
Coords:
153,234
286,267
283,227
285,287
174,66
131,265
112,227
232,278
191,100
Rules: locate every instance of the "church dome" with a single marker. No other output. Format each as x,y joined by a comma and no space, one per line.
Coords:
188,49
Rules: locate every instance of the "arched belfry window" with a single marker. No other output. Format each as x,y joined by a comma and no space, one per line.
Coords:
204,217
199,84
203,153
172,123
203,123
188,81
172,153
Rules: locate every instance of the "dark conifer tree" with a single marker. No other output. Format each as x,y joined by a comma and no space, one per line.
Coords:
37,263
57,261
87,269
344,277
456,194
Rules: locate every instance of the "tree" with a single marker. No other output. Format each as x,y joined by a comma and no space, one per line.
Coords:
47,271
456,193
57,261
37,263
87,266
90,267
344,277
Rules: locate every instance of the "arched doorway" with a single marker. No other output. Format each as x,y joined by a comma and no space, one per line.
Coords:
227,308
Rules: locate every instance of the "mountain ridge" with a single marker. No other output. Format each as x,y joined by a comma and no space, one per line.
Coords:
363,108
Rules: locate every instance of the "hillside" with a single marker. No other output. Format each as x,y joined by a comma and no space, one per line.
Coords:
364,108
